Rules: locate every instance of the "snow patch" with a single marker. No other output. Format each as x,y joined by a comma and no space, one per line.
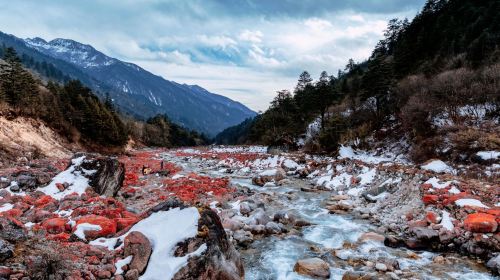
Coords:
83,227
120,263
470,202
446,221
437,166
77,182
164,230
488,155
6,207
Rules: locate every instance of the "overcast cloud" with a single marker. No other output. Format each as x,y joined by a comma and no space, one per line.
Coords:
245,50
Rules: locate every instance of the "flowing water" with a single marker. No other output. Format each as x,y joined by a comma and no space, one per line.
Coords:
273,257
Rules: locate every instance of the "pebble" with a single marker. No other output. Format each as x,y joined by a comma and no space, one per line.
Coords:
380,267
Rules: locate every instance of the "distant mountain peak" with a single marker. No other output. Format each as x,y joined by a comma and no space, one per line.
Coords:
71,51
141,93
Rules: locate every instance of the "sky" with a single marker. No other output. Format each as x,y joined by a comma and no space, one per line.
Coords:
243,49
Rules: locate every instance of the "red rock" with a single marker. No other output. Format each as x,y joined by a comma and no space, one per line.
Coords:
426,186
494,212
63,236
94,260
55,225
16,213
46,199
122,223
5,272
60,187
430,199
418,223
108,227
431,217
480,222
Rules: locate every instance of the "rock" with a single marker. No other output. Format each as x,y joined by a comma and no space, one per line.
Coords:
26,181
220,260
12,230
242,237
314,267
132,274
431,218
392,275
6,250
232,224
339,197
371,236
108,226
275,175
245,208
273,228
425,233
494,264
137,245
380,267
438,259
5,272
480,222
301,223
430,199
15,188
260,216
108,176
55,225
355,275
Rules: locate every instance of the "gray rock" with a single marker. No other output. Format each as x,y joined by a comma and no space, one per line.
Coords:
242,237
15,188
6,250
273,228
26,181
494,264
108,176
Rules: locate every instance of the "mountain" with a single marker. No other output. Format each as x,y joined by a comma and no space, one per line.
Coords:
134,90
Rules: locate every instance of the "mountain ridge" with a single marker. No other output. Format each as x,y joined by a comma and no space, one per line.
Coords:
134,90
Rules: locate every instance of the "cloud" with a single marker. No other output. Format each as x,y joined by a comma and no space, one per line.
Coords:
245,50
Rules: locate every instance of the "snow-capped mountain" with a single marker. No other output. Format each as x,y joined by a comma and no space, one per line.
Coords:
135,90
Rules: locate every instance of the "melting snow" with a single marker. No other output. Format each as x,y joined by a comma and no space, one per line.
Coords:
435,183
348,152
6,207
77,182
82,228
470,202
120,263
446,221
164,230
437,166
487,155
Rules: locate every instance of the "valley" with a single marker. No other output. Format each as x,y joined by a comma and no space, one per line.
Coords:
281,216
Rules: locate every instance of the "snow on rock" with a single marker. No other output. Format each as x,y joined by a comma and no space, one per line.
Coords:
437,166
470,202
120,263
488,155
6,207
334,182
164,230
78,183
270,172
368,176
348,152
435,183
446,221
83,227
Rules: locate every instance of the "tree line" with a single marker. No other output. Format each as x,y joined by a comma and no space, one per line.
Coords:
446,57
74,111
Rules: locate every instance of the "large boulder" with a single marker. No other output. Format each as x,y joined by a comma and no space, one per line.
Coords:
480,222
494,264
105,174
313,267
270,175
220,260
138,246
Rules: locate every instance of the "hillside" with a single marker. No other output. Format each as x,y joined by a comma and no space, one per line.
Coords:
133,90
431,84
51,119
